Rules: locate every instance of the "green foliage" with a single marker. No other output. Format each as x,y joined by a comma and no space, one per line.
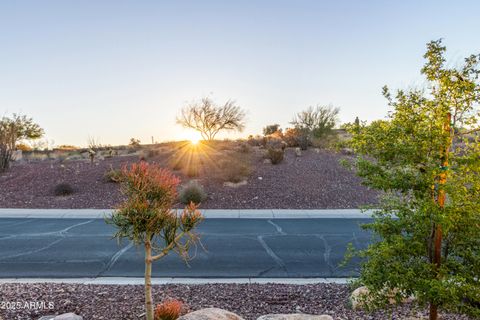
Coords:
193,192
405,156
113,175
12,131
316,122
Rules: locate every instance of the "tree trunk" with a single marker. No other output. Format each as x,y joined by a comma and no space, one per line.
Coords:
437,254
148,279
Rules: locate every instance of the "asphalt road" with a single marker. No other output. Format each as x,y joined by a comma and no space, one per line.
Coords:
268,248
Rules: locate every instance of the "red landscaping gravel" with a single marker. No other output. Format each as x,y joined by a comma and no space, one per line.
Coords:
315,180
111,302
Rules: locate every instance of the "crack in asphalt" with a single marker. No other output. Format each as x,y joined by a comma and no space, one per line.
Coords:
61,233
326,254
277,227
32,251
115,258
270,252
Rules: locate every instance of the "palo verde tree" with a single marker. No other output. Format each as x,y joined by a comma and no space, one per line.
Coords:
147,218
426,159
318,121
13,130
209,119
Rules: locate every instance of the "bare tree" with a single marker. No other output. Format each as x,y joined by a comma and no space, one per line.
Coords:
13,130
209,119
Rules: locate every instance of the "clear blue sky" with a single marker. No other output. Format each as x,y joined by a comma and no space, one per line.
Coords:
121,69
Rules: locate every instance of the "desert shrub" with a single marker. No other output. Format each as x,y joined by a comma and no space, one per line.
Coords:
255,141
153,153
275,155
326,142
113,175
192,192
235,170
63,189
168,310
244,147
275,143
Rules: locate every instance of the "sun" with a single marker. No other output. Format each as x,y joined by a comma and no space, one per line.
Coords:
194,140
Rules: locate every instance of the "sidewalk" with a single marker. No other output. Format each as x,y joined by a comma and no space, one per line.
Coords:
208,213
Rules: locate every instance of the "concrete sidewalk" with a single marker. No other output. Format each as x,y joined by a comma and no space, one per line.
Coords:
187,281
208,213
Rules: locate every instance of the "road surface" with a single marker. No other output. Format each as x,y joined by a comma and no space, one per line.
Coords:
234,248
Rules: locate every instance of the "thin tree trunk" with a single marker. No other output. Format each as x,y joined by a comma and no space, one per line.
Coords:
437,255
148,279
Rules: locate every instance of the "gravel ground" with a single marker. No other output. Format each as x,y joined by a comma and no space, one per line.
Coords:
249,301
315,180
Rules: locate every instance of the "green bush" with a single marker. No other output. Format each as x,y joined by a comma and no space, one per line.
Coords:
113,175
192,192
275,155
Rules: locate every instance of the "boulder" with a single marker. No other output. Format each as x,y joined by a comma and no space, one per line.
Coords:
360,296
298,152
267,161
68,316
65,316
211,314
295,316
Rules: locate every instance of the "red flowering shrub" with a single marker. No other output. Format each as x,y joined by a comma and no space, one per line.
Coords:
168,310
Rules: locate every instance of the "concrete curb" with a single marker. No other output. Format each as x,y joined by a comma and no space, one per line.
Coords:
188,281
208,213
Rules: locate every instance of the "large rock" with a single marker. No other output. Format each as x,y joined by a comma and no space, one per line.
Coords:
360,297
211,314
65,316
296,316
235,184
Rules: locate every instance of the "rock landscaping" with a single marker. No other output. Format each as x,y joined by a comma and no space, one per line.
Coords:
244,301
316,180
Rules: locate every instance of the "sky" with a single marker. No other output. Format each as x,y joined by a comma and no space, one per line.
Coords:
113,70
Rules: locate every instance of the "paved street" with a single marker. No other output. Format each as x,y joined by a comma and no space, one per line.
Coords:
268,248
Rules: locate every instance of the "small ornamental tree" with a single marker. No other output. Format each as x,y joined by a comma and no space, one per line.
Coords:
147,218
13,130
426,160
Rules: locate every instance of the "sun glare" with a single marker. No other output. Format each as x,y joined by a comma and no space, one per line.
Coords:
194,141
